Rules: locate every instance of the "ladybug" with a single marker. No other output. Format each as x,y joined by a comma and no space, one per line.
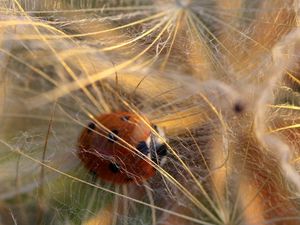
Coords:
121,153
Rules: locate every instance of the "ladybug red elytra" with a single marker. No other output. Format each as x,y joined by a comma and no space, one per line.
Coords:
122,152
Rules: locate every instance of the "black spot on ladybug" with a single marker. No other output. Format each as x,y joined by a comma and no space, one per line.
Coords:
112,136
91,127
125,118
143,148
113,167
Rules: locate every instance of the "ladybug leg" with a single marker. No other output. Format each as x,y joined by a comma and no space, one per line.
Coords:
93,175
